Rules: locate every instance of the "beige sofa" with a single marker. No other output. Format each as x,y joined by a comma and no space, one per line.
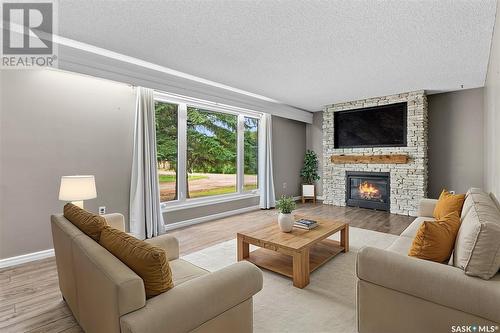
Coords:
107,296
398,293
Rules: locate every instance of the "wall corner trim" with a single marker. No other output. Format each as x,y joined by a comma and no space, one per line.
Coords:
13,261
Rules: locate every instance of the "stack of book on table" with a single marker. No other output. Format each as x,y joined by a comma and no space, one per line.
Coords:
305,224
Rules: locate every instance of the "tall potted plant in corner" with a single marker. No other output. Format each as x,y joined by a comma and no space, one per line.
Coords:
285,205
309,174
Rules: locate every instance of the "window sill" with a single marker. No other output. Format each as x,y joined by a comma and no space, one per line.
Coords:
217,199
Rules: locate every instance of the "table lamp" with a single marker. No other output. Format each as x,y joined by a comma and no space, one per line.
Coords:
77,188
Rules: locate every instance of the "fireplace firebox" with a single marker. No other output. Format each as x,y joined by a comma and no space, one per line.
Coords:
368,190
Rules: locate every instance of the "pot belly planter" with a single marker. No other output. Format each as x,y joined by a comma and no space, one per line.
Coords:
285,221
285,206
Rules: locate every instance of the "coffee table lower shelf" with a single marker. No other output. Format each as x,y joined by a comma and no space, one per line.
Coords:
319,254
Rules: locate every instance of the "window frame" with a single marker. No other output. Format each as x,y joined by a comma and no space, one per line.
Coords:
183,103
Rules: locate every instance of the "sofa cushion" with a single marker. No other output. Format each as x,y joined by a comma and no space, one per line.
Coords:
412,229
183,271
477,249
476,196
435,239
147,261
89,223
468,202
437,283
448,203
401,245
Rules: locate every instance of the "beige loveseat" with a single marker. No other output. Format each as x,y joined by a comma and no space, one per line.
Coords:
398,293
107,296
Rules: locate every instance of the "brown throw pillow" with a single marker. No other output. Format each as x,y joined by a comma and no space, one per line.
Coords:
448,203
89,223
435,239
147,261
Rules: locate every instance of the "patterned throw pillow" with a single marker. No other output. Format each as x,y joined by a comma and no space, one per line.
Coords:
89,223
147,261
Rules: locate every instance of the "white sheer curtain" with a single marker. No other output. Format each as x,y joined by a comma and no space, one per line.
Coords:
267,199
146,220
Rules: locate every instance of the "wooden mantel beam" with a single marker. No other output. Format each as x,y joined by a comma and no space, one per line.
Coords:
370,159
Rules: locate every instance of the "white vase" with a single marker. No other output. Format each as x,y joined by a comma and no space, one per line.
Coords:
285,221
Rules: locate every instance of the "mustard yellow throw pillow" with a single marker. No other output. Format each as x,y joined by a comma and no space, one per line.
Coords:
89,223
147,261
435,239
448,203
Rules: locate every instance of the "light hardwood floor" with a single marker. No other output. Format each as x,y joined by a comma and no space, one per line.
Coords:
30,300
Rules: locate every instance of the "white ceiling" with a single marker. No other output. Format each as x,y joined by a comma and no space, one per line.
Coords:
303,53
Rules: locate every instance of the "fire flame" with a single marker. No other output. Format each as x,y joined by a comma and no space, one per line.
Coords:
368,191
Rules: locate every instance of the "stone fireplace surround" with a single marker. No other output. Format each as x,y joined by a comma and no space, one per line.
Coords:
408,182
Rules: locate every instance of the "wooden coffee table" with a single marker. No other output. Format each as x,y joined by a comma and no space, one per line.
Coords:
295,254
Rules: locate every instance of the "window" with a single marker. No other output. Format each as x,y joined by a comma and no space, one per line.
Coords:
166,149
204,150
211,153
251,153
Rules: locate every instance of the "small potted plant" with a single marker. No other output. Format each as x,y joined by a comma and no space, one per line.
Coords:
309,174
285,205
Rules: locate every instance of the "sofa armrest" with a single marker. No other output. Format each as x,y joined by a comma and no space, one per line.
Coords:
439,283
169,243
189,305
115,220
426,207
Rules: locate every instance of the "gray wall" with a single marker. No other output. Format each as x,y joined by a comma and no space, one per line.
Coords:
455,141
314,135
54,124
492,115
289,146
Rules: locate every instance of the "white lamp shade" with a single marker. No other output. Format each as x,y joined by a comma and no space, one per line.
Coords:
75,188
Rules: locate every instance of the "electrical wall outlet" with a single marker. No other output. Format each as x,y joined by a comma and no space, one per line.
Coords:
102,210
284,186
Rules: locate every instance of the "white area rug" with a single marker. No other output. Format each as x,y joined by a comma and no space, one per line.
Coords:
327,304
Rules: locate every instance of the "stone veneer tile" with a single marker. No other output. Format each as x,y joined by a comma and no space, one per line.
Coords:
408,181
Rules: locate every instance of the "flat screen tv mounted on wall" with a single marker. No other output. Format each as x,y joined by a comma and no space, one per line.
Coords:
379,126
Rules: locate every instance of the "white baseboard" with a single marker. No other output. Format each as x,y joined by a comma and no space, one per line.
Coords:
12,261
207,218
318,197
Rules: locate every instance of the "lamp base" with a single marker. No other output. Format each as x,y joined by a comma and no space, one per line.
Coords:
78,203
